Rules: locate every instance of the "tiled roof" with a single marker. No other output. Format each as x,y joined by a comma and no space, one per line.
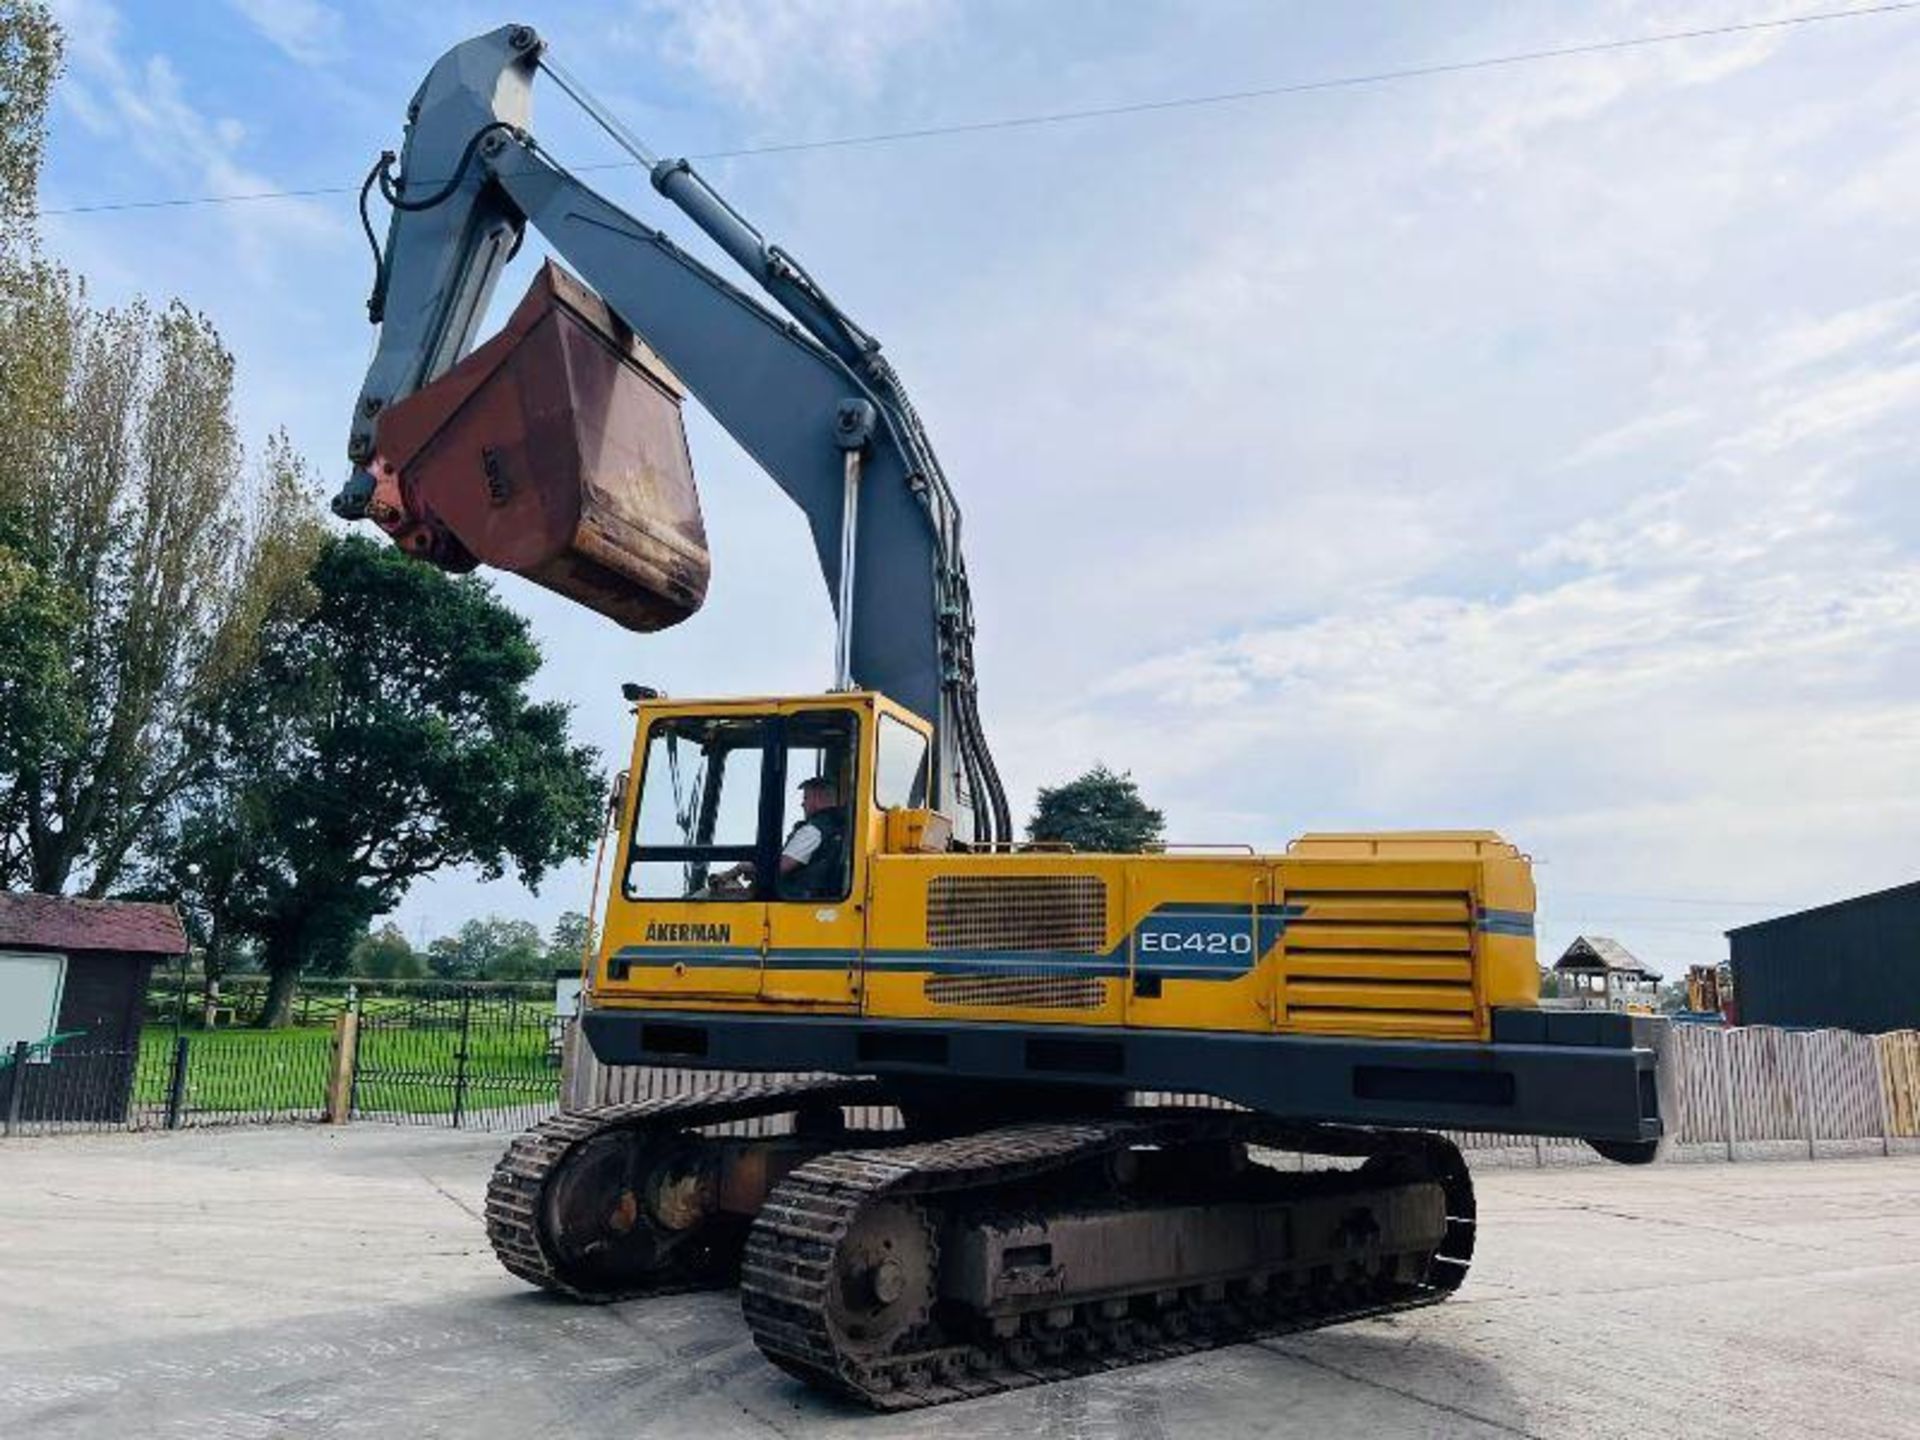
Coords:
1590,951
60,922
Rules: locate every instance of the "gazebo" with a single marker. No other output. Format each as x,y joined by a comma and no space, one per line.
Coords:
1599,973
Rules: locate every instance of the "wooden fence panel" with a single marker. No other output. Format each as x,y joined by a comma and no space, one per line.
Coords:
1899,1056
1843,1085
1765,1074
1698,1086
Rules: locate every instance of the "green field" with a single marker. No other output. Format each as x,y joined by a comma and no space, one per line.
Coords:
402,1071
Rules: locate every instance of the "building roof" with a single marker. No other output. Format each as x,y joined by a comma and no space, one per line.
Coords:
60,922
1875,897
1601,952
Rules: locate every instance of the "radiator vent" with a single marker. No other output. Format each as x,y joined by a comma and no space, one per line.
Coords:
1023,989
1380,962
1018,912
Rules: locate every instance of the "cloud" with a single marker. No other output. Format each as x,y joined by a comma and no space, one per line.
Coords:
768,54
1636,434
307,31
144,103
1554,476
1501,123
1813,341
1726,663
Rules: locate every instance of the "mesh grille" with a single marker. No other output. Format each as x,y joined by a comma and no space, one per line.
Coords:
1034,990
1018,912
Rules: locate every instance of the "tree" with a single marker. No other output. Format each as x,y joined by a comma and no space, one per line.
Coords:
1100,812
386,954
30,46
200,867
135,542
138,499
571,937
491,949
382,736
38,619
37,616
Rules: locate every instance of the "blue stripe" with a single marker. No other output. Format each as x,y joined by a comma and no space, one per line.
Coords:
1178,920
667,954
1506,922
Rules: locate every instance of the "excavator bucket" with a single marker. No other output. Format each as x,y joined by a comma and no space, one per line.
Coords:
555,450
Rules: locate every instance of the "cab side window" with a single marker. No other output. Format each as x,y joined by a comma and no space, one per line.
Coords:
900,773
816,829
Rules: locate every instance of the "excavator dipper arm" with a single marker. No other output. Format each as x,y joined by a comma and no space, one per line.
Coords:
806,394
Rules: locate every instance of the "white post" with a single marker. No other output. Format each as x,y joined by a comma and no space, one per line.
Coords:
1725,1038
579,1070
1883,1085
1806,1091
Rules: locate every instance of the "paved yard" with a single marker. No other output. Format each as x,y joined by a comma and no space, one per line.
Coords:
316,1283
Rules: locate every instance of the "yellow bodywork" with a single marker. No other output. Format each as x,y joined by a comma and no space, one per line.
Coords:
1416,935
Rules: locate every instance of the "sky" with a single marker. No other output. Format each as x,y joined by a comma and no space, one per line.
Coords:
1526,448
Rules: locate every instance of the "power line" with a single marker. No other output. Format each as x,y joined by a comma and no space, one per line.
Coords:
1304,87
1103,112
1705,900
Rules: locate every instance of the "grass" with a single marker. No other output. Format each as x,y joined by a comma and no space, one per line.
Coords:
408,1071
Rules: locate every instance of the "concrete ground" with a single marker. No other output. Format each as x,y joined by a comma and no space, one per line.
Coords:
308,1282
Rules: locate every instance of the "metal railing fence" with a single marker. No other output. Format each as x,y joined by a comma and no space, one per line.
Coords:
471,1060
165,1082
486,1060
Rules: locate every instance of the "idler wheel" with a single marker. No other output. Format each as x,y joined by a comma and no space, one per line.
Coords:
883,1280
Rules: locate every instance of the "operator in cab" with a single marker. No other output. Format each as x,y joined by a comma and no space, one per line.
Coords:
813,856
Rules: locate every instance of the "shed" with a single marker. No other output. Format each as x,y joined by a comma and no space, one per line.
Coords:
1597,972
1851,965
73,986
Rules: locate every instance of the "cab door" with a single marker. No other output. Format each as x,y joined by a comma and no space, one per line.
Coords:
815,914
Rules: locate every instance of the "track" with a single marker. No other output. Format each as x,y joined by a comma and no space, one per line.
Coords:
902,1354
610,1254
841,1270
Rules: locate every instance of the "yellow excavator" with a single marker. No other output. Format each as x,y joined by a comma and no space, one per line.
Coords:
826,890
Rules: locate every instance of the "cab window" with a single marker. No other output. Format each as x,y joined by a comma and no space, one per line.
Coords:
701,790
743,808
816,853
900,774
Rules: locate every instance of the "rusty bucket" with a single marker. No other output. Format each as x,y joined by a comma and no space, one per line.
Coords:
555,450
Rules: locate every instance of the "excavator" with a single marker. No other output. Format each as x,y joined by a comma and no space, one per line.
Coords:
1138,1104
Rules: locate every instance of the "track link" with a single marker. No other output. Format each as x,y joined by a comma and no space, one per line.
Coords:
789,1268
517,1192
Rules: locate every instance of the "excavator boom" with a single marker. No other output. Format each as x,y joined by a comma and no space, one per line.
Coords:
806,393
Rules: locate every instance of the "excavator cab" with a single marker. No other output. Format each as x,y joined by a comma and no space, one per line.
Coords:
555,450
746,835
